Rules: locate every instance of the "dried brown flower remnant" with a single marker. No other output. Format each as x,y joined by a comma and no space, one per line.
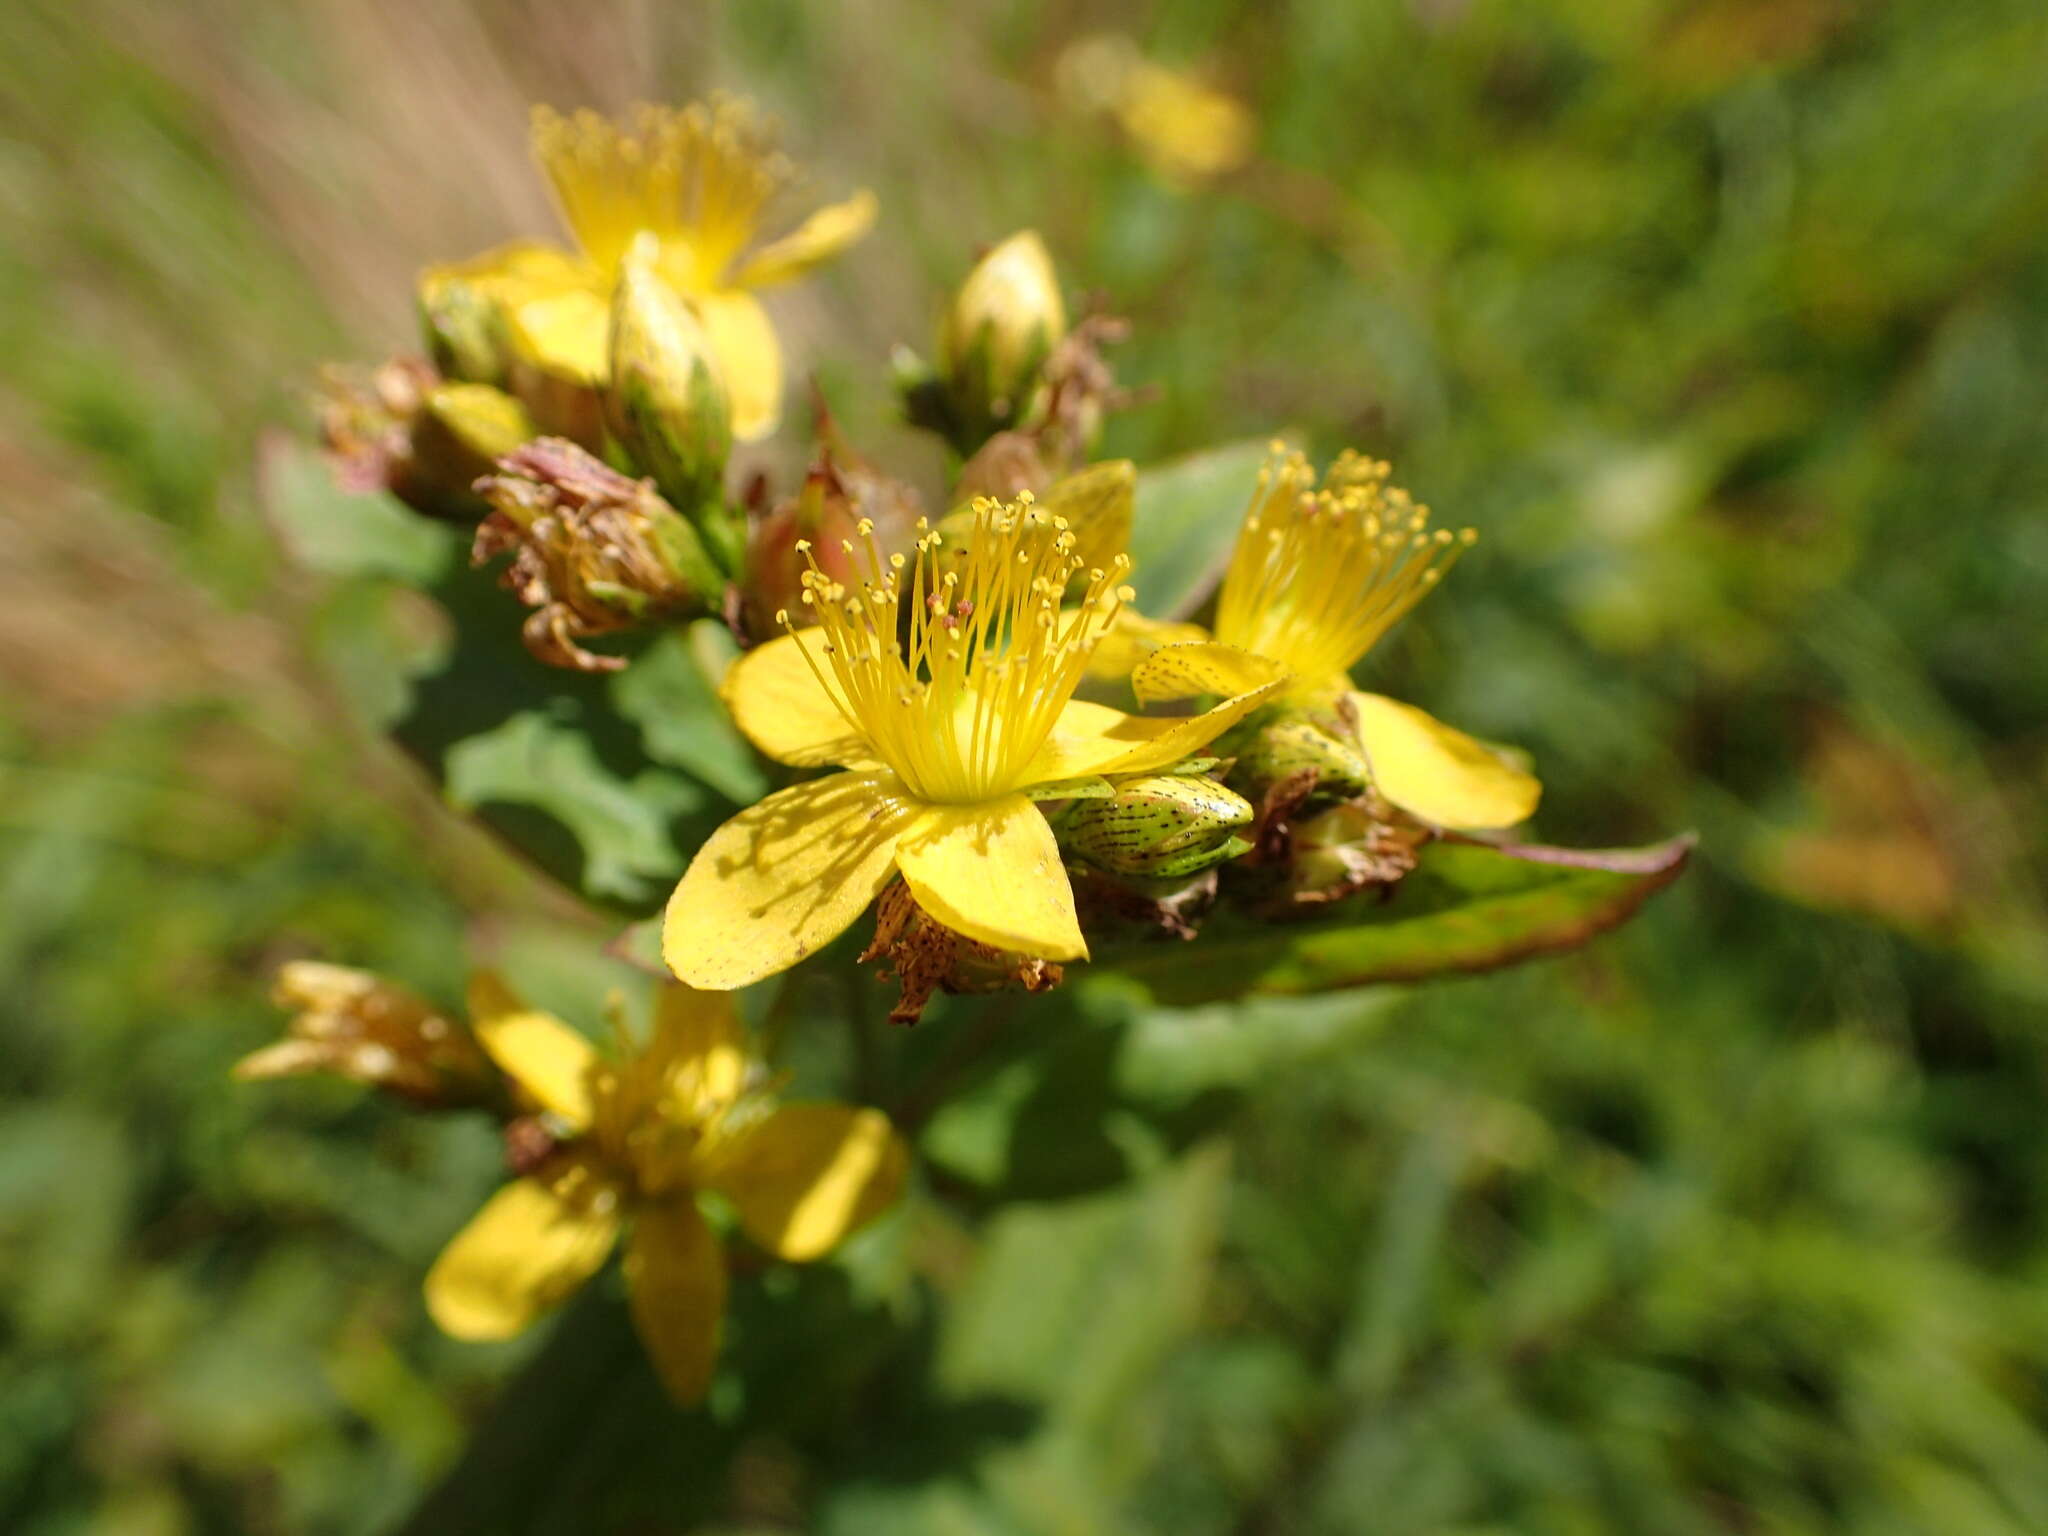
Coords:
593,551
1354,845
926,957
357,1025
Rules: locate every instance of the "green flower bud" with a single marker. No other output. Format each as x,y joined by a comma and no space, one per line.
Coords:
1003,324
464,306
665,403
1163,825
461,433
1293,743
400,429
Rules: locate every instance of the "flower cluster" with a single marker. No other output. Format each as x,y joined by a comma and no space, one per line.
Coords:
979,736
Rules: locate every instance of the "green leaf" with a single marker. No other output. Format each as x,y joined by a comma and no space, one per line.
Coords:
1073,1307
621,828
1186,520
1470,906
345,533
667,693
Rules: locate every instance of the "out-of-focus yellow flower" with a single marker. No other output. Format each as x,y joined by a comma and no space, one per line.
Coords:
636,1142
946,735
700,180
1186,130
1317,577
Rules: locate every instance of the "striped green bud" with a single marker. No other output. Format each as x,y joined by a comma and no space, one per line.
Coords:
1287,746
1163,825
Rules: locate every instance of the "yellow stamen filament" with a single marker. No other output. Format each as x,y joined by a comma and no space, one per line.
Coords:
956,675
1319,576
698,177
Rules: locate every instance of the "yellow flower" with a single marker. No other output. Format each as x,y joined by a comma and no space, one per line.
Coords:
1318,576
944,686
638,1142
1188,131
699,179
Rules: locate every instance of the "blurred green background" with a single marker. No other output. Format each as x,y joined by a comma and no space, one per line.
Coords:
1725,322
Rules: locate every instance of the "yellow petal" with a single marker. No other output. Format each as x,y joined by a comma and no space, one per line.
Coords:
810,1174
675,1274
777,700
1134,637
1439,774
1184,671
992,871
749,358
697,1040
536,1050
520,269
818,239
527,1249
784,878
566,335
1094,739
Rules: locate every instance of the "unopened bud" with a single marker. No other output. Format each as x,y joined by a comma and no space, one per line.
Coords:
353,1024
1003,324
593,551
1285,747
1160,826
464,306
666,405
400,429
925,957
462,431
842,490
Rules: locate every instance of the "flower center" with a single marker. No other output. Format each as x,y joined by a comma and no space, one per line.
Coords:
1319,576
698,178
954,664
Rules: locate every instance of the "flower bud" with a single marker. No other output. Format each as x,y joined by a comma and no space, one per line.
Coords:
356,1025
841,490
401,430
1160,826
593,551
1004,322
665,403
462,431
925,957
464,306
1293,743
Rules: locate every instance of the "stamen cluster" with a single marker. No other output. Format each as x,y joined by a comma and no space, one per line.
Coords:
1320,575
698,176
954,663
